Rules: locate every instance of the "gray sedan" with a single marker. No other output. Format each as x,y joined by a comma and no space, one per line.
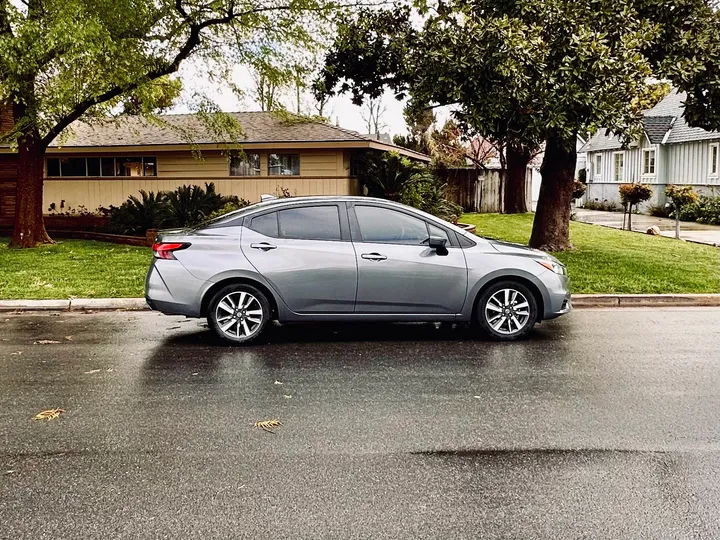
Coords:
349,259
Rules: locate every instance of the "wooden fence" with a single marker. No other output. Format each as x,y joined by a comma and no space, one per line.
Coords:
480,190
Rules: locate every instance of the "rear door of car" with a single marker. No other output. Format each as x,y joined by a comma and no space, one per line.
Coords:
306,253
397,271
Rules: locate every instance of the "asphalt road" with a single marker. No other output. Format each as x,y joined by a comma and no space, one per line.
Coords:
605,424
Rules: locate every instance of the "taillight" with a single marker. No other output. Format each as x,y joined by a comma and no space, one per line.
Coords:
165,250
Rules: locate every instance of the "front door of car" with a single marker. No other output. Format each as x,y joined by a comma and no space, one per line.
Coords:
306,254
397,271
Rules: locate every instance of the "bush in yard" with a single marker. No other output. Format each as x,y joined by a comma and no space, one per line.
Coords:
680,196
634,194
708,210
582,176
579,188
191,205
425,191
386,174
229,207
135,216
605,205
658,210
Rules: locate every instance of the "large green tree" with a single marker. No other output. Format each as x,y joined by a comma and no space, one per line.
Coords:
518,71
68,60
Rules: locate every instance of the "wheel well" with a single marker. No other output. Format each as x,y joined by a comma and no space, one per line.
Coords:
529,284
237,280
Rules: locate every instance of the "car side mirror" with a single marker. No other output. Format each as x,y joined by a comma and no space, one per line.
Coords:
438,244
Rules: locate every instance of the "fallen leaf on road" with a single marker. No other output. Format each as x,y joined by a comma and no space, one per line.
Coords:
9,472
49,414
287,396
268,425
477,397
16,353
278,382
6,339
69,338
109,370
46,342
93,371
196,373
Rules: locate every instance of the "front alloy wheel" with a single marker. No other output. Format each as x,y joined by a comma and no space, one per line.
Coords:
238,313
507,311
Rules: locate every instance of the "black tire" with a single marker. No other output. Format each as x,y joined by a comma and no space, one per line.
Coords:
241,319
505,327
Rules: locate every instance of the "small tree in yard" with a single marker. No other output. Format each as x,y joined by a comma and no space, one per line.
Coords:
68,60
634,194
680,196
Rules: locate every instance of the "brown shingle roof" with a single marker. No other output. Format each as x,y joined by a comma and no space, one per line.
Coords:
257,127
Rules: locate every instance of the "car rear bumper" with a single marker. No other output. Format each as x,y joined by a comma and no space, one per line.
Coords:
159,294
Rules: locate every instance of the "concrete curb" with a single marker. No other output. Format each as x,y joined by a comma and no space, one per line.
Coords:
75,304
580,301
645,300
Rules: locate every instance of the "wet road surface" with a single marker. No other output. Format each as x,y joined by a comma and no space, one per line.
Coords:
605,424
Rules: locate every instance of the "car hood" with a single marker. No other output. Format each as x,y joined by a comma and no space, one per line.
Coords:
508,248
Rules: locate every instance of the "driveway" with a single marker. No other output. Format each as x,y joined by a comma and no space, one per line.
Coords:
602,425
695,232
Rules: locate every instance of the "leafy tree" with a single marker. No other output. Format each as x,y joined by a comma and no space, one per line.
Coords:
420,124
521,72
68,60
680,196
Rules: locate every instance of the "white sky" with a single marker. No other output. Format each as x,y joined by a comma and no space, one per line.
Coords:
339,109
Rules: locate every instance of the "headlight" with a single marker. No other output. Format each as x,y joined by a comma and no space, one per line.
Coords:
553,266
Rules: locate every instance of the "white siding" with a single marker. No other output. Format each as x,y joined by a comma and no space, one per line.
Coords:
688,163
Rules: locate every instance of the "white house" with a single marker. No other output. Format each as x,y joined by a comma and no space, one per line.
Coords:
670,152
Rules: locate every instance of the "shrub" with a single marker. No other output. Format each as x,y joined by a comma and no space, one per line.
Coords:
425,191
582,176
605,205
688,212
708,210
579,189
633,194
386,174
229,207
681,195
658,210
135,216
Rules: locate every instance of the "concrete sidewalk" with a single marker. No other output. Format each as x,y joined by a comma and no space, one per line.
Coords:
578,300
691,231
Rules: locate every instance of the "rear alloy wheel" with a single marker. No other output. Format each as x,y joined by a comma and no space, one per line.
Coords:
239,313
507,311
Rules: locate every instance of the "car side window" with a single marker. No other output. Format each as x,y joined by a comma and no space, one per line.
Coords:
310,223
382,225
266,224
438,232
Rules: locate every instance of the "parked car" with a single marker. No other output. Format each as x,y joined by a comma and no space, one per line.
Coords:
349,259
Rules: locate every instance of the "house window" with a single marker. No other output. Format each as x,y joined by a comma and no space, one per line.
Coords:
245,165
597,166
714,165
283,164
95,166
618,166
649,162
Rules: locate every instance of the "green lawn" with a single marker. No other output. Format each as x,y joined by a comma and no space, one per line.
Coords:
611,261
604,261
81,268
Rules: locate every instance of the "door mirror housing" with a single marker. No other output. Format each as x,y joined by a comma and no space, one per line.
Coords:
438,244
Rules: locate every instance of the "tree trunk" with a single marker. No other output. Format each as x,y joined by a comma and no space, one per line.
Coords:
516,182
29,230
551,228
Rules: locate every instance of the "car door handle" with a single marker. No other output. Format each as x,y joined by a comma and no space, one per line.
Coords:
264,246
373,256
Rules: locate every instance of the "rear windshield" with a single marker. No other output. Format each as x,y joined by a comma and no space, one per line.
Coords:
225,218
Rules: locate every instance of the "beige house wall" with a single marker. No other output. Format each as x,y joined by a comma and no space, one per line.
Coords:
322,172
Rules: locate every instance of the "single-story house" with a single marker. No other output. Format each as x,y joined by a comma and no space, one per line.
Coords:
670,152
102,164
